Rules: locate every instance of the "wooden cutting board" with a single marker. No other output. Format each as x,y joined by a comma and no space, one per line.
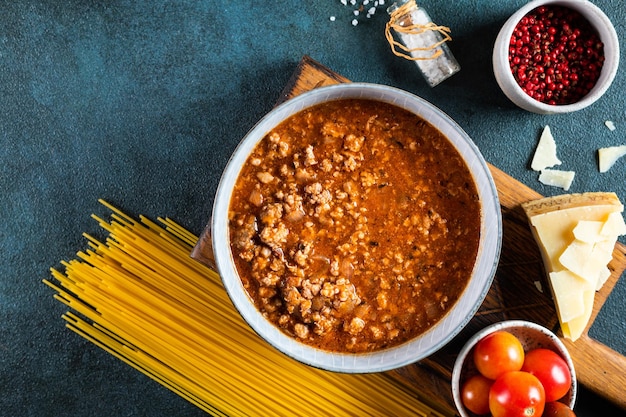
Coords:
515,292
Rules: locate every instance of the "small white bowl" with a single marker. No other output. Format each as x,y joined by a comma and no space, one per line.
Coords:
458,316
511,88
531,335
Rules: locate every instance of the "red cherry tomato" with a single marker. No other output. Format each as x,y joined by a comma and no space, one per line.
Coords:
516,394
475,394
551,369
497,353
557,409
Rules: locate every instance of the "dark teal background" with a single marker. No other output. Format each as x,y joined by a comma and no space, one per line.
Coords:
141,104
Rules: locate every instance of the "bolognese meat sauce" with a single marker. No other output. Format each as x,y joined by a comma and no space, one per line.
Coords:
354,225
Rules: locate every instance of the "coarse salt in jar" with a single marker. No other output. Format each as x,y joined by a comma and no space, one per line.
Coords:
421,41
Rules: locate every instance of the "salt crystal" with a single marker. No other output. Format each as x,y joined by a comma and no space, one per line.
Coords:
344,2
332,18
355,22
610,125
356,12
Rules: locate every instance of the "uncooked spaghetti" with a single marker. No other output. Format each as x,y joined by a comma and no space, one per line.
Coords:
141,297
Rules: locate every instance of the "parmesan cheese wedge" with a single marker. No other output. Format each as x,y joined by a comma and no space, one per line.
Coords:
576,234
545,154
607,157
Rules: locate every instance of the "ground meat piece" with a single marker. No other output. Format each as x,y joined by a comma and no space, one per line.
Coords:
350,163
301,330
243,236
324,325
368,179
317,194
353,143
333,129
302,254
377,332
274,236
309,157
355,326
265,177
256,198
271,214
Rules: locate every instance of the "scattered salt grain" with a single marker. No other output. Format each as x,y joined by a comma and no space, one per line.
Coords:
332,18
361,9
610,125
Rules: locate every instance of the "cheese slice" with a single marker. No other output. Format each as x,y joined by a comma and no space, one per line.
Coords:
614,225
570,304
576,234
603,277
575,328
589,231
545,154
556,178
608,156
603,250
578,258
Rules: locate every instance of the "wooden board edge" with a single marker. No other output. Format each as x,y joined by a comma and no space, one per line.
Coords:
317,75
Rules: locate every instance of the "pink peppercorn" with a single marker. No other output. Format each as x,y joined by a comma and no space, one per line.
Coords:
555,55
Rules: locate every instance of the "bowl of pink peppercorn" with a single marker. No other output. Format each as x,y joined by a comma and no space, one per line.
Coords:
556,56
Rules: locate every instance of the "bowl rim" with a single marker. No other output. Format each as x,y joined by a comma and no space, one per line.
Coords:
596,17
504,325
449,325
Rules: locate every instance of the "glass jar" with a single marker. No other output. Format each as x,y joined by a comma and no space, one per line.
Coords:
421,41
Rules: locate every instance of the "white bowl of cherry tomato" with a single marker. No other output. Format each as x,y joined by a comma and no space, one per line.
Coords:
514,368
556,56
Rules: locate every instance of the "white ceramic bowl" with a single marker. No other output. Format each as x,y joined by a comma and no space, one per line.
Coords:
514,92
531,335
447,327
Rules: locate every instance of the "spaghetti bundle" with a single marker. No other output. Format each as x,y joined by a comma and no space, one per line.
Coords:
141,297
